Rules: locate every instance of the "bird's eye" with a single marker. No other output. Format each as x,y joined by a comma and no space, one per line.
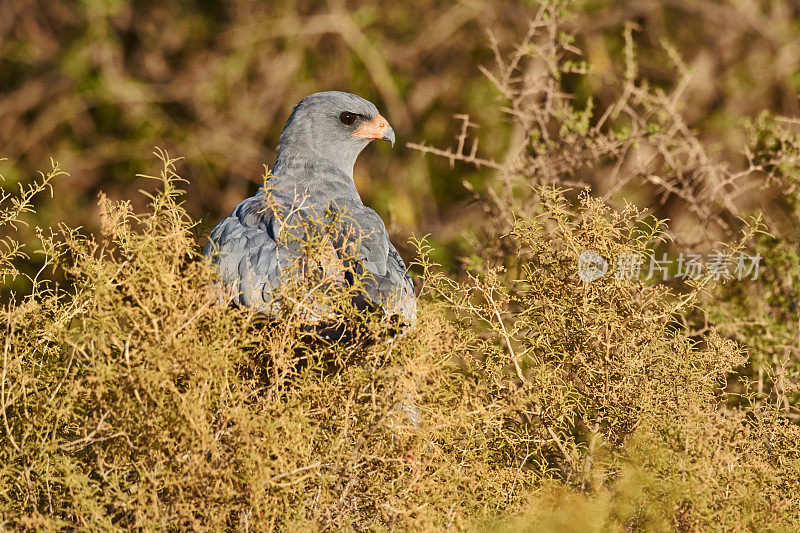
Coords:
347,118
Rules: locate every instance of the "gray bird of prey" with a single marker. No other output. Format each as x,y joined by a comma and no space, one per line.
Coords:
254,247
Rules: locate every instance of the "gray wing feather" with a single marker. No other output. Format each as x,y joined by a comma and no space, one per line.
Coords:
246,251
390,285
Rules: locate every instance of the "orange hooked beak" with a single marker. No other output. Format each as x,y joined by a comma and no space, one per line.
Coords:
378,128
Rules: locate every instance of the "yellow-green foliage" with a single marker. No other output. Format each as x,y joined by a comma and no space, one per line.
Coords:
130,398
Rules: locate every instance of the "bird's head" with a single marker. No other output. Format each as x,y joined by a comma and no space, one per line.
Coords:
333,126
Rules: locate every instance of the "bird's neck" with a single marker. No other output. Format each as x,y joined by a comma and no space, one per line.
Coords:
316,175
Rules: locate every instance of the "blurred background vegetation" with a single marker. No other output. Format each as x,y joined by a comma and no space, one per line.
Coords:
96,84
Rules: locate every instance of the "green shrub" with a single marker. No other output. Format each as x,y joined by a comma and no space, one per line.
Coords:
132,399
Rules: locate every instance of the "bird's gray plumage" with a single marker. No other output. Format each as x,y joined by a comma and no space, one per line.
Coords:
312,179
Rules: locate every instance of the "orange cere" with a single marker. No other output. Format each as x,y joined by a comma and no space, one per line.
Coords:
374,129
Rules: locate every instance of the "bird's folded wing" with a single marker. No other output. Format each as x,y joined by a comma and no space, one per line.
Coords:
255,250
386,281
244,249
